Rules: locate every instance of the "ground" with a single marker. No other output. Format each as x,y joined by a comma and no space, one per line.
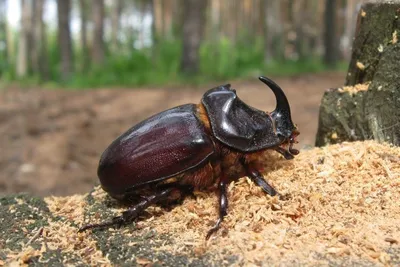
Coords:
339,207
51,140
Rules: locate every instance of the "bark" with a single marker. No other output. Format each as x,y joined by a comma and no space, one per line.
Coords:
83,8
373,113
98,41
64,38
39,48
23,52
194,13
372,32
330,40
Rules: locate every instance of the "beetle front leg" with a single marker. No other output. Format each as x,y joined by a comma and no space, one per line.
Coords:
258,178
133,212
286,153
223,208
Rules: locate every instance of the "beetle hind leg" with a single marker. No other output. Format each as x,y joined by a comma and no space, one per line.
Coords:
133,212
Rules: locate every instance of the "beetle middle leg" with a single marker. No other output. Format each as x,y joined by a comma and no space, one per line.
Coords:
223,208
133,212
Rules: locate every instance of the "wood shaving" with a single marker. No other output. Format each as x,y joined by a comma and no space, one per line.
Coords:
360,65
352,90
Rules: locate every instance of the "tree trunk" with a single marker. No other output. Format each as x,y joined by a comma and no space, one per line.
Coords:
115,24
4,61
368,107
64,38
300,20
39,48
83,8
350,22
168,7
23,52
157,19
273,32
194,13
98,42
330,40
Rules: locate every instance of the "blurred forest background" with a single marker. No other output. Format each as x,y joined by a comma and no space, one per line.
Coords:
90,43
170,52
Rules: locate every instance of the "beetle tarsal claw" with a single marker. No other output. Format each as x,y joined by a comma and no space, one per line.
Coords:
97,225
214,229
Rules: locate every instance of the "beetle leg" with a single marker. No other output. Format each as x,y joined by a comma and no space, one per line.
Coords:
258,178
133,212
285,153
223,208
292,150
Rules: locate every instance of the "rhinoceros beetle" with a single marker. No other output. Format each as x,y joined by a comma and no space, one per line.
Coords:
194,147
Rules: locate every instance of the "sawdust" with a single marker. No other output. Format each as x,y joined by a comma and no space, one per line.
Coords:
60,235
352,90
341,201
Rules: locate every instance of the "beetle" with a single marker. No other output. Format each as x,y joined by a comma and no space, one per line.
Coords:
194,147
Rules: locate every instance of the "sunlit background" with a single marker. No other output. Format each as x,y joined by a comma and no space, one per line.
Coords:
75,74
83,43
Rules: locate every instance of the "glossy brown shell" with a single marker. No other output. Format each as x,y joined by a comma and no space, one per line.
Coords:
163,146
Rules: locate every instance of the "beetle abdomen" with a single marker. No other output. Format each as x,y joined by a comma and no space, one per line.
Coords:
164,145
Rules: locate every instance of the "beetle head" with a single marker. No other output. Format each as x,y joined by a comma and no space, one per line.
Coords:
285,129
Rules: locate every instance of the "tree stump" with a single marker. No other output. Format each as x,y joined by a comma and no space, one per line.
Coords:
368,106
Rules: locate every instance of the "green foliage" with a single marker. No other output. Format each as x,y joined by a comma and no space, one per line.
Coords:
226,59
54,57
138,67
160,65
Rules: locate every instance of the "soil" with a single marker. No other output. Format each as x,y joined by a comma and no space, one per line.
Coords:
51,140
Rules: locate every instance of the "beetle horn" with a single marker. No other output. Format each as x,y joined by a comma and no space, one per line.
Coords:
282,104
281,114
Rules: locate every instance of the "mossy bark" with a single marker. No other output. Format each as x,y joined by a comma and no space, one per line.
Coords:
372,114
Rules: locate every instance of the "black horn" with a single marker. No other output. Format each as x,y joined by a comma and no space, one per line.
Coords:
282,103
284,124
